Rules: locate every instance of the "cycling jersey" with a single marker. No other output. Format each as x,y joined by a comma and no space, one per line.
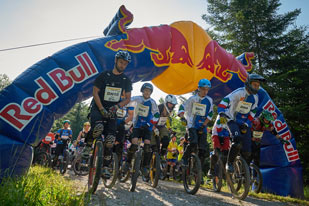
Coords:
64,135
112,87
146,112
239,106
197,110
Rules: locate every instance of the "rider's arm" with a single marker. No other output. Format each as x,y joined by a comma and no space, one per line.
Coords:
130,115
210,113
223,105
155,113
126,99
79,136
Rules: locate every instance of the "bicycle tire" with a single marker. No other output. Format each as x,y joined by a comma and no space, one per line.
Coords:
136,169
77,166
154,169
123,177
95,167
42,158
256,178
114,168
194,167
241,176
64,163
218,177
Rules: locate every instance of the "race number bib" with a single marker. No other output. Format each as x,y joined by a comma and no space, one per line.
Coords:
162,121
142,110
199,109
48,139
257,134
112,94
121,113
243,107
64,137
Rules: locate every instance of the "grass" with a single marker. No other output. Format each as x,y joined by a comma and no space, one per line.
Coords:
271,197
41,186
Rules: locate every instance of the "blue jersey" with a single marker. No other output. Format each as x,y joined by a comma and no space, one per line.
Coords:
197,110
146,112
65,135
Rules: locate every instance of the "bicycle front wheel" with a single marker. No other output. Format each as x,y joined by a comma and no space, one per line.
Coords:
95,167
154,169
136,169
256,178
192,175
113,168
239,181
217,178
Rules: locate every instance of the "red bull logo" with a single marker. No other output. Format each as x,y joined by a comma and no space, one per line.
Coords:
166,45
221,64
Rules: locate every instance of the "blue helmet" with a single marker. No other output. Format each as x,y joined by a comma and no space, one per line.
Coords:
204,83
123,55
148,86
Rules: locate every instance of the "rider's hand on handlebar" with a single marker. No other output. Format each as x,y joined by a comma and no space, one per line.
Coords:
113,109
104,112
223,118
183,121
243,128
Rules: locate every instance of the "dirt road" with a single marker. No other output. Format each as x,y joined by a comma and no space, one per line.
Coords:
167,193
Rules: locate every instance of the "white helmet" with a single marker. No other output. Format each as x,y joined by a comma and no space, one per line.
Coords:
171,99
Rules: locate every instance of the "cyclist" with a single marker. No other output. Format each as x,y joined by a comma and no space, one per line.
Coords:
163,126
107,90
83,134
221,143
63,137
237,110
260,124
198,112
172,154
146,115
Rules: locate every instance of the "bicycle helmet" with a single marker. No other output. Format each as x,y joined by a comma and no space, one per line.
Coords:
66,121
123,55
204,83
171,99
253,78
148,86
267,115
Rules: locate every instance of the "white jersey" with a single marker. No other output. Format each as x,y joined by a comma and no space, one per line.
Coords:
197,109
239,103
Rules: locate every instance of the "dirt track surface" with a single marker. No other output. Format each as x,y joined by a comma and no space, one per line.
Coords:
167,193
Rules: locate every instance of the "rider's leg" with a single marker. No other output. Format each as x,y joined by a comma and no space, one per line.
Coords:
236,145
147,150
193,140
256,149
120,136
246,146
164,138
213,161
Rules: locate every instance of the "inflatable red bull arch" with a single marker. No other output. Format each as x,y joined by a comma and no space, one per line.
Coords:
174,57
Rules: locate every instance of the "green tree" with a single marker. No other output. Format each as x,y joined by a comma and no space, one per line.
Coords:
4,81
281,50
77,115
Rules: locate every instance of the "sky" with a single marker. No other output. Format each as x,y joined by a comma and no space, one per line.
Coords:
39,21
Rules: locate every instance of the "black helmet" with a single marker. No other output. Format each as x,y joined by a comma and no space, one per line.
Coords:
251,78
123,55
147,85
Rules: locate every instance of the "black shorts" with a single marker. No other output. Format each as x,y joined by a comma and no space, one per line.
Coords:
199,139
142,133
